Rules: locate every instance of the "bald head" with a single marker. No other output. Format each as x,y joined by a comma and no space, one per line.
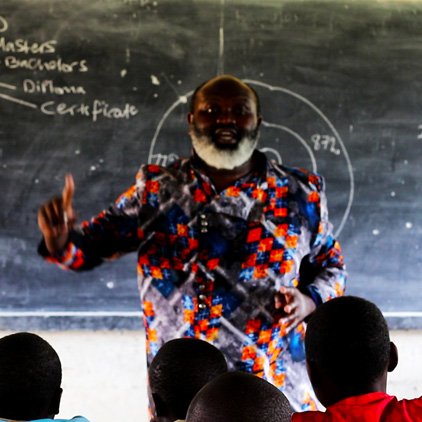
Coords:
223,83
237,396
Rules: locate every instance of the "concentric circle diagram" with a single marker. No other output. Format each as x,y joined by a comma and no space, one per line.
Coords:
295,133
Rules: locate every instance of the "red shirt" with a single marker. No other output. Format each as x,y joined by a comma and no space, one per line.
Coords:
370,407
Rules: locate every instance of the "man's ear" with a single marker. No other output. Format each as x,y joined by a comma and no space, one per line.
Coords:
259,121
190,118
394,357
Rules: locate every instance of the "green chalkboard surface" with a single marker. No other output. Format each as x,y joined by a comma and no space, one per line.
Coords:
97,88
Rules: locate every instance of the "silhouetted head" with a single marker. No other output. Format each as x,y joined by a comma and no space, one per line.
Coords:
30,378
348,349
178,371
224,122
237,396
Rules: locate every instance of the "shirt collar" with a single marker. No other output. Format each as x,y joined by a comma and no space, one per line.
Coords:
364,398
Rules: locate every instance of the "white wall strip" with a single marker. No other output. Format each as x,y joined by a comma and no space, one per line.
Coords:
137,314
79,314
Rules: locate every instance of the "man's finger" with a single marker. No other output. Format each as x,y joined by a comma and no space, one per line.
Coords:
68,191
287,290
290,307
44,219
279,300
287,321
48,221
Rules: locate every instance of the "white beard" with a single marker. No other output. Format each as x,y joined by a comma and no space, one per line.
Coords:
226,159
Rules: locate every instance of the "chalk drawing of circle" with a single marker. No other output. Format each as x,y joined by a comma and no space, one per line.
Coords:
171,135
276,153
3,24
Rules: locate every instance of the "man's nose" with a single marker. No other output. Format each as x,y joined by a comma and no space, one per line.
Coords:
226,117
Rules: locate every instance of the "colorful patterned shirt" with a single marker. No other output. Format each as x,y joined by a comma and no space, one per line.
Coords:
210,263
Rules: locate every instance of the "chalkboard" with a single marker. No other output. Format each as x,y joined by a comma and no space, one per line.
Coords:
97,88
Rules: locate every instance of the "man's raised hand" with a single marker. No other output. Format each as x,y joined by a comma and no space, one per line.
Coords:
56,217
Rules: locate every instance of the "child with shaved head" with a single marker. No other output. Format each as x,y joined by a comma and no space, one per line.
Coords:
348,355
238,396
30,378
178,371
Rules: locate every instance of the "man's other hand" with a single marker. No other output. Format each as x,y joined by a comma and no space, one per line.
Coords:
292,305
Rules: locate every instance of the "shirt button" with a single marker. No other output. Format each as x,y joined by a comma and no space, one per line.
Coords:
202,306
202,297
201,287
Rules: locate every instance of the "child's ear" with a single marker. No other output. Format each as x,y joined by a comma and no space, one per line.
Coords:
160,406
55,403
394,357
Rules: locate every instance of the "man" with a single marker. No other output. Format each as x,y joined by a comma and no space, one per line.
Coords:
30,379
349,353
231,247
237,396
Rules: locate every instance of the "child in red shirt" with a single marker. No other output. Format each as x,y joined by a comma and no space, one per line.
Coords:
348,355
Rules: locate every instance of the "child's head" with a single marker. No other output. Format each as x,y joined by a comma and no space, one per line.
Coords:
178,371
348,349
30,378
237,396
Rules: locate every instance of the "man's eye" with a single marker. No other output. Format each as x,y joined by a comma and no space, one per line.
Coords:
241,111
211,110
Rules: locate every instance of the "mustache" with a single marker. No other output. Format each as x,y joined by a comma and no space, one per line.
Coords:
211,133
239,133
212,130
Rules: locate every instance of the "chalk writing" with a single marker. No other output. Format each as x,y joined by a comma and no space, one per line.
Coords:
163,159
8,86
141,3
24,46
325,142
286,18
273,153
18,101
3,24
58,65
420,132
47,87
94,111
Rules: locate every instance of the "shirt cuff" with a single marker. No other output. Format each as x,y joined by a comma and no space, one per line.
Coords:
314,294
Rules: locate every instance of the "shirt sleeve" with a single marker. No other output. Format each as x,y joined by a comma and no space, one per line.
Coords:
322,271
110,234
